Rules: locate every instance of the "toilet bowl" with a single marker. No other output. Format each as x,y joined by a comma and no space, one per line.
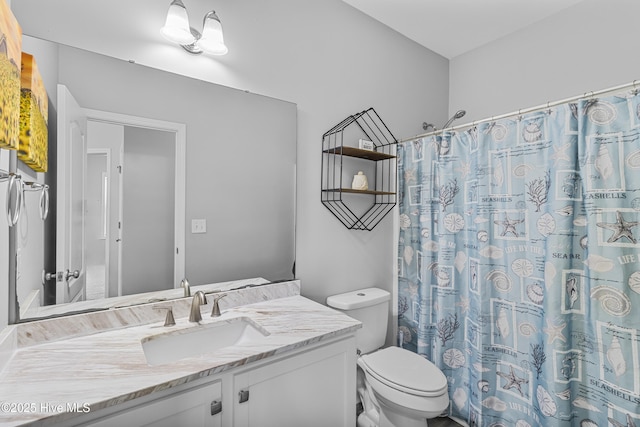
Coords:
397,388
407,388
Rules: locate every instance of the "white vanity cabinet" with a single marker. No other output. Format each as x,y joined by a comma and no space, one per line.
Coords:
313,386
196,407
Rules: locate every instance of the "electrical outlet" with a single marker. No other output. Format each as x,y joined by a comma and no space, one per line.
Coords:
198,226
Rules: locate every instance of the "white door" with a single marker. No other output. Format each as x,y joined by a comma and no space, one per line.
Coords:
70,222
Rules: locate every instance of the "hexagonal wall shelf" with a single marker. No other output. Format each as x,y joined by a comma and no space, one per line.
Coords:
359,143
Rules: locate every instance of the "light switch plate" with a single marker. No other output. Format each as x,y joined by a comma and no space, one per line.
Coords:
198,226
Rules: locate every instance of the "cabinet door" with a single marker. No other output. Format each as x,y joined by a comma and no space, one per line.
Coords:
191,408
312,389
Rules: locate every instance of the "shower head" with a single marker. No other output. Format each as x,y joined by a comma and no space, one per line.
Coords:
458,115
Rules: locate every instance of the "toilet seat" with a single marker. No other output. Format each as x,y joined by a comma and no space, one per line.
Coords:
405,371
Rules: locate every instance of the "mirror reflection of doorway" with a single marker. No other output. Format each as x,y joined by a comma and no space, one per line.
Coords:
130,213
97,220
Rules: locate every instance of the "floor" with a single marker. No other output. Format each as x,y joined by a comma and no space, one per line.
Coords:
442,422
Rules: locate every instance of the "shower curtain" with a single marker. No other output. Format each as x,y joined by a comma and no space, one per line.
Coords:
519,264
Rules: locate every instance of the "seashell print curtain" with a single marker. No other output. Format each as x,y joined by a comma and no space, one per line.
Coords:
519,264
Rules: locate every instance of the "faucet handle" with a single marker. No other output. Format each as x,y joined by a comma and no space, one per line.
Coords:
169,320
215,312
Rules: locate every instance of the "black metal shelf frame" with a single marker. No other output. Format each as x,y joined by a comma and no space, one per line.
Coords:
340,151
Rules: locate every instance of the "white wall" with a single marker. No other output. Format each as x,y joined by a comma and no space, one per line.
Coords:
587,47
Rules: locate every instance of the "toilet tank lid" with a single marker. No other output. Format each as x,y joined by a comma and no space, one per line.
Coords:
358,299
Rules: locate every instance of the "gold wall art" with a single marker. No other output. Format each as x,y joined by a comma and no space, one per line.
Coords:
33,116
10,52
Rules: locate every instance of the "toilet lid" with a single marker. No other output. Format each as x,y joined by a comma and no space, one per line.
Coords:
406,371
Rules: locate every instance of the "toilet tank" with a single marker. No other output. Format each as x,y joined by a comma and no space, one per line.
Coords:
371,307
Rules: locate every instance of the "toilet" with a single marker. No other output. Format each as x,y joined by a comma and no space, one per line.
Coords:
397,388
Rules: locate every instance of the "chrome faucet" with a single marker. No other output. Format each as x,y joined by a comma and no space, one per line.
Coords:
185,284
198,299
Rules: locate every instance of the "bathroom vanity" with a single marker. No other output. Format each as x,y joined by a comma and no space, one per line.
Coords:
273,358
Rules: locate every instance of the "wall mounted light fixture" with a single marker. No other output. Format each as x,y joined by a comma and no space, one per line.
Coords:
178,30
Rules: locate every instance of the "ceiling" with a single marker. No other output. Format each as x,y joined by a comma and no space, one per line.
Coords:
453,27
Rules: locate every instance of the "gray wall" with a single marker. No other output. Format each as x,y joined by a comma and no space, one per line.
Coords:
148,213
587,47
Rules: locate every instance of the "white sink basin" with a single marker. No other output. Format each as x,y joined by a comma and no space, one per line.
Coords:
200,340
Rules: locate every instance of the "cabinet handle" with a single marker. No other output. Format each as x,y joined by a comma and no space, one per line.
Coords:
216,407
243,396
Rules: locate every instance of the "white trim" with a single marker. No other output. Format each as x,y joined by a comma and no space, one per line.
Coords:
180,130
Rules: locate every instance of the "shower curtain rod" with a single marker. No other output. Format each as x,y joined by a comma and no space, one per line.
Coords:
634,84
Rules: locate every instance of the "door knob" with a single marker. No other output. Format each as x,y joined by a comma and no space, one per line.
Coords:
69,274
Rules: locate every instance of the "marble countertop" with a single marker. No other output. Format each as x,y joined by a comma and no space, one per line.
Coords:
104,367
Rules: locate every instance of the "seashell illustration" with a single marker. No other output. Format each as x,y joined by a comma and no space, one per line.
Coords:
460,398
406,334
500,280
527,329
571,286
498,174
615,357
453,222
535,292
502,323
603,163
405,221
522,423
601,113
580,221
613,301
461,261
408,254
633,160
583,403
599,263
532,132
634,282
564,395
588,423
425,232
484,386
492,252
566,211
494,403
550,273
521,170
522,267
478,367
483,236
546,224
443,278
547,406
430,246
584,241
499,132
454,358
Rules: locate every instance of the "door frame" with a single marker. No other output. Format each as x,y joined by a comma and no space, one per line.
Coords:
180,130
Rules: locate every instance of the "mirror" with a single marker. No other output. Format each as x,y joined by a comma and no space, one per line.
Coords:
239,180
